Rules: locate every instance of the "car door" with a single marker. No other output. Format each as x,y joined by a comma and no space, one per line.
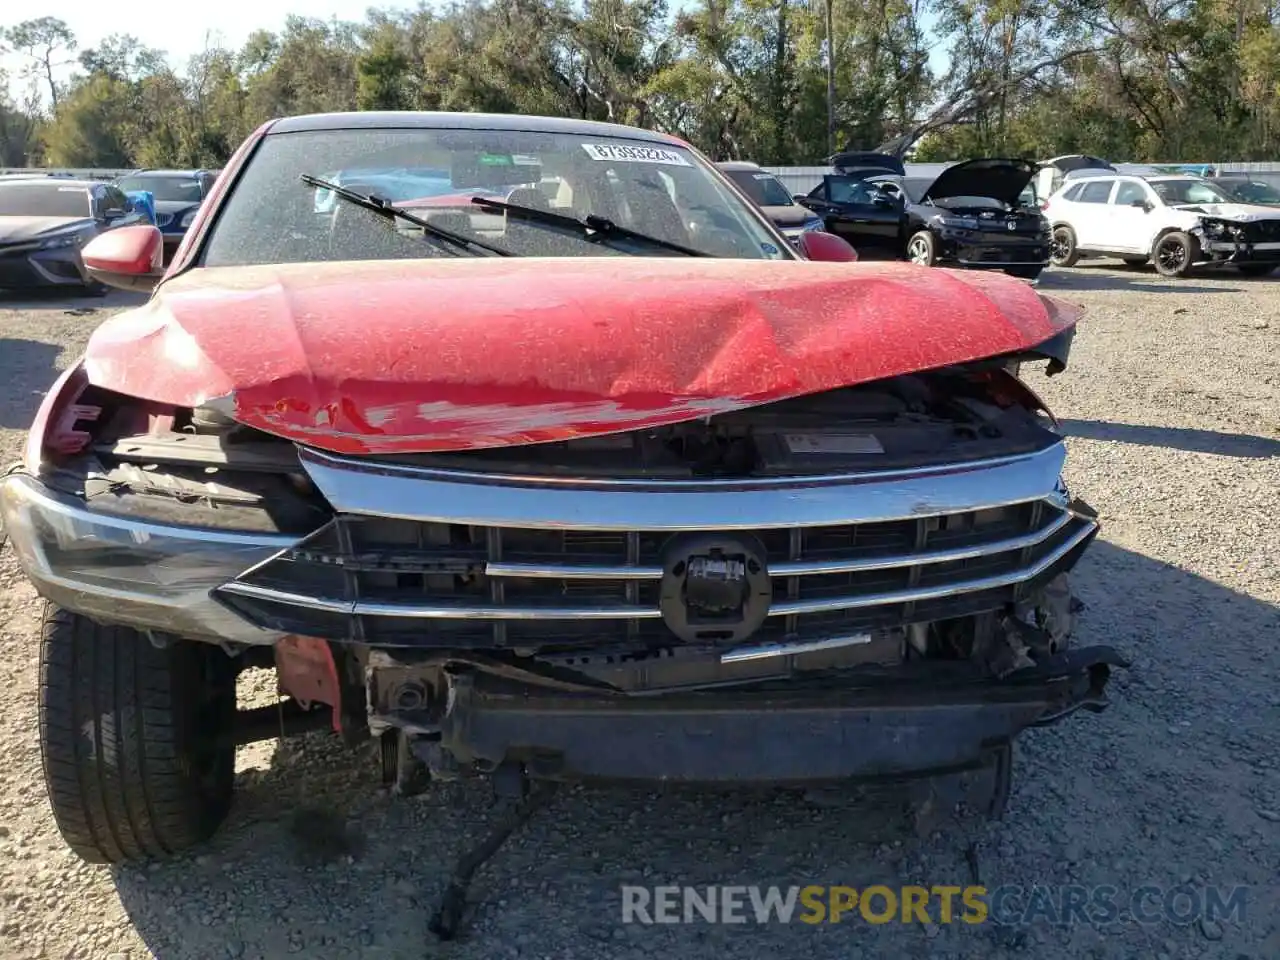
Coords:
859,215
117,209
1131,227
1090,215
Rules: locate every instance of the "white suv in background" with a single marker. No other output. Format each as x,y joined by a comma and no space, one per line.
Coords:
1177,222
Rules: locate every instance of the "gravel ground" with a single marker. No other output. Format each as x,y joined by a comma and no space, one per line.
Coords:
1173,402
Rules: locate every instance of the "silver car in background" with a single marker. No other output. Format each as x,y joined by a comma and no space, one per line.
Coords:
44,221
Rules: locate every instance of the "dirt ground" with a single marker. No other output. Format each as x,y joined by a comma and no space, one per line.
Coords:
1172,401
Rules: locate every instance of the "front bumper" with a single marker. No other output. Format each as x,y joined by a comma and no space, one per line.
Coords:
126,570
791,732
994,253
846,555
26,266
1230,251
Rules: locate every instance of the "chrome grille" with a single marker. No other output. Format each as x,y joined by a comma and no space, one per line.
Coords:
429,583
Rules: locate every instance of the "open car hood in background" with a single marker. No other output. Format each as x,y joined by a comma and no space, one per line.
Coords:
998,178
870,162
1072,162
462,353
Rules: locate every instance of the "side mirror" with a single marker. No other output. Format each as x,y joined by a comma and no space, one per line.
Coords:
826,247
130,258
1144,204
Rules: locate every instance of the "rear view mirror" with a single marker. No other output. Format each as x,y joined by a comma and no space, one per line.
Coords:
493,171
130,258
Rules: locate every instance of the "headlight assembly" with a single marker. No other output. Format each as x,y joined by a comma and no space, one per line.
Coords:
60,243
957,223
187,219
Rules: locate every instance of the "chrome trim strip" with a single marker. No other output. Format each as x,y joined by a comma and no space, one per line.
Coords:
832,604
359,487
800,568
783,649
616,612
322,458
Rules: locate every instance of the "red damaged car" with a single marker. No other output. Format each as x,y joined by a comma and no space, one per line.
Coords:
657,497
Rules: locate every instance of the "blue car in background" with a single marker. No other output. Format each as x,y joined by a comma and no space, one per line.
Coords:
176,196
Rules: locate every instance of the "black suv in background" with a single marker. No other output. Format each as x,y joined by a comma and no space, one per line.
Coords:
772,197
977,214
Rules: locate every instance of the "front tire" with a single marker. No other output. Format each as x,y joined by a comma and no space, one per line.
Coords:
1175,254
922,249
136,740
1062,248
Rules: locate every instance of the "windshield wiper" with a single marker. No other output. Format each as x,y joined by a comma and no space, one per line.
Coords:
389,210
591,228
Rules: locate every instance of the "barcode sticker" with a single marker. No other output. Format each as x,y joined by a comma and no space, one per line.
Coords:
832,443
632,154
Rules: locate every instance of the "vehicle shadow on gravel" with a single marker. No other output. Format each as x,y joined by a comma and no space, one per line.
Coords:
1119,278
1095,801
73,302
1177,438
23,362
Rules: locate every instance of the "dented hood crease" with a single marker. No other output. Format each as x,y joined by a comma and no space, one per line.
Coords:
434,355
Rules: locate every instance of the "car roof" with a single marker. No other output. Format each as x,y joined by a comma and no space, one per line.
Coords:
443,120
62,182
173,174
730,165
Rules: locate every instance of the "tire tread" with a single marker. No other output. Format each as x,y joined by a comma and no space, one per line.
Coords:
111,725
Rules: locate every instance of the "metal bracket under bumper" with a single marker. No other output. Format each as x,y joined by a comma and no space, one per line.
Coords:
785,735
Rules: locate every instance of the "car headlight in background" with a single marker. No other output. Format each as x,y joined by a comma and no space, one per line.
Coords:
957,223
59,243
813,223
187,219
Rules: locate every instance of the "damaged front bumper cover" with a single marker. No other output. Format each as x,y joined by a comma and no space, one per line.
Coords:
123,569
822,729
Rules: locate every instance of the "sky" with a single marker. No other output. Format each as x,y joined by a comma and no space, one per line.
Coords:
180,29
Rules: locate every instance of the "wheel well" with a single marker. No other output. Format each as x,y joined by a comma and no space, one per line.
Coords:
1160,236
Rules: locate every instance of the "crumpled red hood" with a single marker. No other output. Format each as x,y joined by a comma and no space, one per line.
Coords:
449,354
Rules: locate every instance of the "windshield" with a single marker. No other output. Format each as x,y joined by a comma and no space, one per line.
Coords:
1174,192
1254,191
165,189
660,190
763,188
24,198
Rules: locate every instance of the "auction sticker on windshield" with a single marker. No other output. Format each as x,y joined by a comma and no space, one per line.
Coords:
629,154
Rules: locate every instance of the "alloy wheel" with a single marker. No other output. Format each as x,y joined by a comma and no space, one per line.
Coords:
1172,256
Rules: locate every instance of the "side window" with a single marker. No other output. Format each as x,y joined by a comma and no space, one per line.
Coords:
1074,193
848,190
821,191
1096,191
116,200
1129,194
